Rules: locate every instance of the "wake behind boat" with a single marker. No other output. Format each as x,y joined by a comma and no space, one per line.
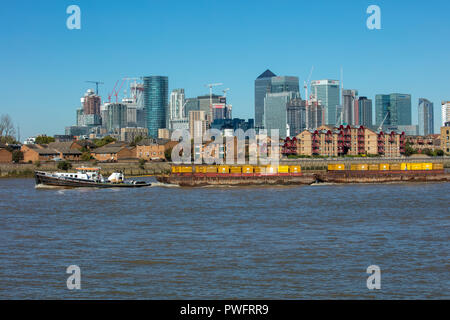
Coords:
86,177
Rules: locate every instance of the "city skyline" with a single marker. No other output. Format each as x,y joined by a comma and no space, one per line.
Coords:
51,63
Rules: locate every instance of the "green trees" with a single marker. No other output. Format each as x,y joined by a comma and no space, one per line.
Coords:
86,156
64,165
44,140
136,141
104,141
142,164
168,154
17,155
409,151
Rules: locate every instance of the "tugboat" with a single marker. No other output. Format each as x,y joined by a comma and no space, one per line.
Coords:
86,177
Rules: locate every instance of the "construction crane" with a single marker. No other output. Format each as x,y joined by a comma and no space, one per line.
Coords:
225,92
306,84
380,128
96,85
134,94
112,92
211,85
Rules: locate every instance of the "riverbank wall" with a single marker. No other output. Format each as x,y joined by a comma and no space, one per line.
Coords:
26,170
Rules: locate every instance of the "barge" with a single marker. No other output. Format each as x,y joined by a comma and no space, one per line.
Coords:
85,177
222,175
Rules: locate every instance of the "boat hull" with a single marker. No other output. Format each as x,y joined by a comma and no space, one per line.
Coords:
42,178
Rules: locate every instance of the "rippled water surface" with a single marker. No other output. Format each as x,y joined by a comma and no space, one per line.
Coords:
207,243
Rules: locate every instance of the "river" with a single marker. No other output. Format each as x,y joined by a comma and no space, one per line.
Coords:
306,242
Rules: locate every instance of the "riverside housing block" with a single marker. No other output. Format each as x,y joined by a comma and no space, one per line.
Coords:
349,140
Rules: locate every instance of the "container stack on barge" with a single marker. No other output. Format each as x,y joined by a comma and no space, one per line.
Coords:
202,175
194,176
388,172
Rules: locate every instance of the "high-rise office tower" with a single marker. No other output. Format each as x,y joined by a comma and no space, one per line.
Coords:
426,117
115,117
328,92
284,84
445,112
80,113
262,86
176,105
156,92
315,114
296,116
365,112
394,109
91,103
197,123
275,111
350,112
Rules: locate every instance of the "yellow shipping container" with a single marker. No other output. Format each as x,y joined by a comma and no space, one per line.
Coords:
260,169
427,166
200,169
224,169
211,169
295,169
283,169
395,167
247,169
373,167
359,167
271,169
416,166
186,169
405,166
236,169
438,166
175,169
384,166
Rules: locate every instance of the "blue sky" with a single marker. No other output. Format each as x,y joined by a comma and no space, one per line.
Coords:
44,66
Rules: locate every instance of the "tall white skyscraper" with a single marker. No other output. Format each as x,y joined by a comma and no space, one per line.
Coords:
177,116
445,112
176,105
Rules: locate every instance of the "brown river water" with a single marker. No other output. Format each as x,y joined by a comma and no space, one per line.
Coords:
306,242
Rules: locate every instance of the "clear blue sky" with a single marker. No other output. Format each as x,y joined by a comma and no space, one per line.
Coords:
43,65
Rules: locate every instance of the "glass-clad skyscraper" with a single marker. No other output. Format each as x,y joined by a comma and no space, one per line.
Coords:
328,92
395,107
275,111
156,97
262,86
365,112
284,84
426,118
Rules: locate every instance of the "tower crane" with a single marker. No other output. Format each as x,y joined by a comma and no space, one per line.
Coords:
112,92
96,85
306,84
116,93
382,122
211,85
